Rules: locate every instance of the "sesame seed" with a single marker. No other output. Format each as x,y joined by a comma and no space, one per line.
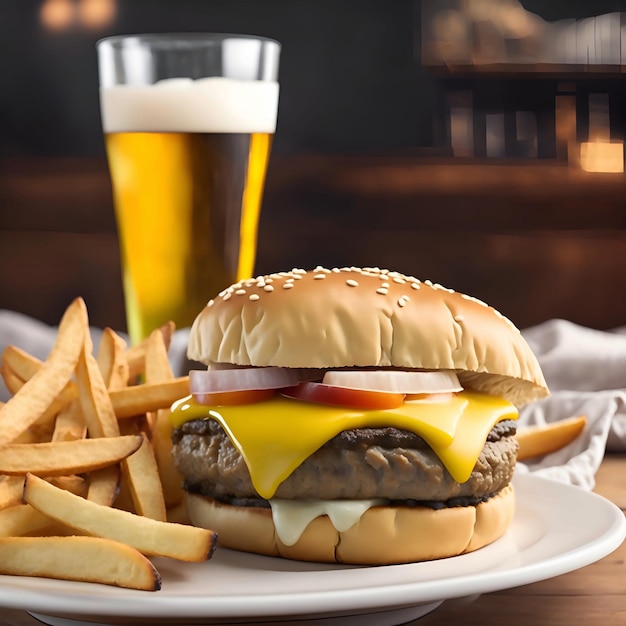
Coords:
405,297
352,283
385,285
398,280
268,288
288,286
472,299
401,302
382,291
240,292
222,293
227,295
415,285
210,302
319,276
254,296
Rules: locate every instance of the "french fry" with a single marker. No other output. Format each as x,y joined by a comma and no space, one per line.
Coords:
136,355
74,484
38,432
11,380
158,369
32,400
11,488
20,363
151,537
14,384
69,424
100,419
72,558
21,367
141,487
137,399
94,397
101,422
22,519
143,480
112,360
104,485
66,457
536,441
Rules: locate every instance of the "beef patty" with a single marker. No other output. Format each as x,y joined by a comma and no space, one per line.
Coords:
356,464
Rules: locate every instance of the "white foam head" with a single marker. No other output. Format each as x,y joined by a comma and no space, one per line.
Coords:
207,105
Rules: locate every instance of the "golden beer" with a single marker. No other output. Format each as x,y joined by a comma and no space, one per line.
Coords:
187,207
187,160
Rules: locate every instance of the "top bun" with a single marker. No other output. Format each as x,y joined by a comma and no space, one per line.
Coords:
366,317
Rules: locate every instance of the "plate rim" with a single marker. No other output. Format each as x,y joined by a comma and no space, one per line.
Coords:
49,599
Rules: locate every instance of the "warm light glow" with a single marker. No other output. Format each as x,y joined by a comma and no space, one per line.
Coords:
56,14
96,13
596,156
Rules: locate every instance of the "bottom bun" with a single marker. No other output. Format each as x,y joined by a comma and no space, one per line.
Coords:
383,535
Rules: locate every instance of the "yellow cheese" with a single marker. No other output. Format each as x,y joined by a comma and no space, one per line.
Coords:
275,436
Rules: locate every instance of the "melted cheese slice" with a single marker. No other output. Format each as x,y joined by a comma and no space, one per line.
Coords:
275,436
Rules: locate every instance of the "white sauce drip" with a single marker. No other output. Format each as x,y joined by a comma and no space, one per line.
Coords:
291,517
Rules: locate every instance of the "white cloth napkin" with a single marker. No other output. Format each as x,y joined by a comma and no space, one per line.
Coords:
585,370
586,373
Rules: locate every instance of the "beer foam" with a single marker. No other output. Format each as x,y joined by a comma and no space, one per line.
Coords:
206,105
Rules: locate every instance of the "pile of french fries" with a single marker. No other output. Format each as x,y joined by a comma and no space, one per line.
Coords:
88,490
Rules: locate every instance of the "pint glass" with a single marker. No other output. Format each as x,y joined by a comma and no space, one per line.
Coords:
188,122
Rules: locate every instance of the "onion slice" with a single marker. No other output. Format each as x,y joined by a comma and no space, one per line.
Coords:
395,381
241,379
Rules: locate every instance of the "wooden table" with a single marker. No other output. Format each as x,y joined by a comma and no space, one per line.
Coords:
595,594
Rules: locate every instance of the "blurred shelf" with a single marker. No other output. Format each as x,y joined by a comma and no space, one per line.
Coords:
558,71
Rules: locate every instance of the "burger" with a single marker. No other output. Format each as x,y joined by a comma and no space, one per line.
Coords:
352,415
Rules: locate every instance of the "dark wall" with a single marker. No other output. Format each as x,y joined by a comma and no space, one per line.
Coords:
347,72
350,79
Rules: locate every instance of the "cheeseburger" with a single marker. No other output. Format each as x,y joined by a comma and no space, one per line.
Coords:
352,415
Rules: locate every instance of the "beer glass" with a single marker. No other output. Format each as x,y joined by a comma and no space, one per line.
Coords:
188,121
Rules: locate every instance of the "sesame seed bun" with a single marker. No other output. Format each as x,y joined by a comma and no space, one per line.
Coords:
366,317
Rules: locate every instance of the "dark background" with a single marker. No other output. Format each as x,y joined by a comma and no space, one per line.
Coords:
353,177
350,73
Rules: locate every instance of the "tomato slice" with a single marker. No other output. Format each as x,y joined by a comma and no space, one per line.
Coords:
429,397
245,396
344,396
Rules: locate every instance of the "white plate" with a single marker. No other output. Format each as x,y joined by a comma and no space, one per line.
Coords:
557,528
